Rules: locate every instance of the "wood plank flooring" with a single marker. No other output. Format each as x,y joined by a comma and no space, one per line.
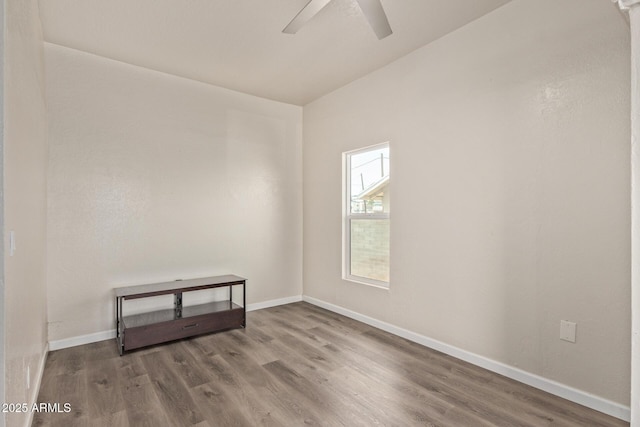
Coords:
294,365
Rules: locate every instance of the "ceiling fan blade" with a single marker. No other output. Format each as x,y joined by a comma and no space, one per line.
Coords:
307,12
374,13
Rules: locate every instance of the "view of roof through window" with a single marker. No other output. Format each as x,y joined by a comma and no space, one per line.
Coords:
369,179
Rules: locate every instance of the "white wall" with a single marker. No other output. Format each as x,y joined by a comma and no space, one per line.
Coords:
25,157
510,201
154,178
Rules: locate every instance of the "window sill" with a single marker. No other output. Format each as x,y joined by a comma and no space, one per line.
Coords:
379,285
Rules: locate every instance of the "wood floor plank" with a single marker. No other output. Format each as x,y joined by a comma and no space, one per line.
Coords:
316,356
73,361
201,346
258,334
142,405
294,365
104,394
171,391
259,404
216,404
108,420
187,366
130,367
260,351
401,399
280,328
281,398
70,389
317,401
359,407
101,350
499,390
439,383
287,318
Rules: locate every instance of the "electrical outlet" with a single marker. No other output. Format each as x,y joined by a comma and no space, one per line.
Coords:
568,331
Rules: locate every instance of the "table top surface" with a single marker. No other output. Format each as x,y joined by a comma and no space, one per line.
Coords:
178,285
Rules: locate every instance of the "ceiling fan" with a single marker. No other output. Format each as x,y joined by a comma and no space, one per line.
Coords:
372,10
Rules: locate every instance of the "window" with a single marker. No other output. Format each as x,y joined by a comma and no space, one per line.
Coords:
366,215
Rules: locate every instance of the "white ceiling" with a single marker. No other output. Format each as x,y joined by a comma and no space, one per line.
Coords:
238,44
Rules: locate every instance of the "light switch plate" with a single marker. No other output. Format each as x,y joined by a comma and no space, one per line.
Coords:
568,331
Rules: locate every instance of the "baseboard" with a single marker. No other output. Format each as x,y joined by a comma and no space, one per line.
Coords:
566,392
35,387
81,340
273,303
111,334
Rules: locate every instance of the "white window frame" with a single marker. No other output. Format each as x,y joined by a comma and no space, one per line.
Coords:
347,216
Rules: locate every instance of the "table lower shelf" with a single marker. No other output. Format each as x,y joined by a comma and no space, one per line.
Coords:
146,329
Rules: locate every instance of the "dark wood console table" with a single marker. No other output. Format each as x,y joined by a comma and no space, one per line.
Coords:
140,330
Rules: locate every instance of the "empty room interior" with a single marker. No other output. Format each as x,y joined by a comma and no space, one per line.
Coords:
345,212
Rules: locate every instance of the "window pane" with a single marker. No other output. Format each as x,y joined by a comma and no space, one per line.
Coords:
370,248
369,175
